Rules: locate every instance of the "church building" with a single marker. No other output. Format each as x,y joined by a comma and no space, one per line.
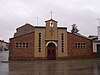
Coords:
48,42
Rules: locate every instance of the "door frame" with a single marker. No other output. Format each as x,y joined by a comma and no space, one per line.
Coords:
47,48
98,51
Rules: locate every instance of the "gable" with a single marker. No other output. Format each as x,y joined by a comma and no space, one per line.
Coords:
25,29
79,36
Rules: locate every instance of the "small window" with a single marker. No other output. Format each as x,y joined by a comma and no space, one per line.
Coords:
39,49
39,41
23,44
20,44
26,45
78,46
78,43
16,44
84,46
62,49
39,45
81,46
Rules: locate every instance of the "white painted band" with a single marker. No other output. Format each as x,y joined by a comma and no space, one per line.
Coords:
51,42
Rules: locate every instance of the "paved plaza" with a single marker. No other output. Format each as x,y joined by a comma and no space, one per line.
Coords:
51,67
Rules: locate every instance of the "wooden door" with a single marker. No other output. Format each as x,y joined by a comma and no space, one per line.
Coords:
51,51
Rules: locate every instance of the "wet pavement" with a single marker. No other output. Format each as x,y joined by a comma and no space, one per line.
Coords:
51,67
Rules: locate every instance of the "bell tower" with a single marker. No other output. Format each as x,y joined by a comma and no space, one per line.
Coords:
51,29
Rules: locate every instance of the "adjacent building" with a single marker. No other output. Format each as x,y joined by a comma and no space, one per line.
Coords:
96,42
0,45
3,45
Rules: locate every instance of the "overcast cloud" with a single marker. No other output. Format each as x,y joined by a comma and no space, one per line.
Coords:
15,13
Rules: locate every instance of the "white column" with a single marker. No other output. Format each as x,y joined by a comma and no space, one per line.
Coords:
98,28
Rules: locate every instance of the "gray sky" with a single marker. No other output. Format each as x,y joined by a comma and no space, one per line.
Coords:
15,13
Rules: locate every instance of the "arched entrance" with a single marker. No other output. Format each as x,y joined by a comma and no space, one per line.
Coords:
51,51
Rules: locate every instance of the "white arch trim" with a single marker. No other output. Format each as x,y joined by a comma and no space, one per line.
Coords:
51,42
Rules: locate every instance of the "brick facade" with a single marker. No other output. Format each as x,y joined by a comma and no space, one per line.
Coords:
22,53
27,43
79,52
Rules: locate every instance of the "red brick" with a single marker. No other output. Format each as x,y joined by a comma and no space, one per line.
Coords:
79,52
22,53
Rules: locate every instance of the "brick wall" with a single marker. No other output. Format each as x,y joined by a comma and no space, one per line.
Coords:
25,29
22,53
79,52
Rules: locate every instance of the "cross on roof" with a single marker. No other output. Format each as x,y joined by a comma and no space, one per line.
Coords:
51,14
37,20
